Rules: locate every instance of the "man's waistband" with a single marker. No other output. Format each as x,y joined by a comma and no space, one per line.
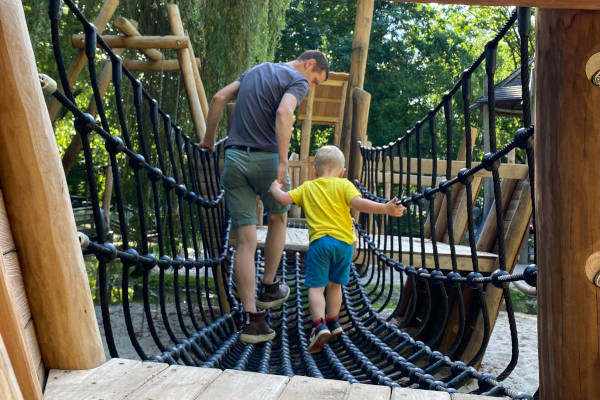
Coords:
248,149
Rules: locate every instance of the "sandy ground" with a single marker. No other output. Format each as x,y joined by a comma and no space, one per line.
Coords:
523,378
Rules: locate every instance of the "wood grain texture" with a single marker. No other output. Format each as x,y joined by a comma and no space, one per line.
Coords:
6,238
307,388
235,385
38,206
567,195
9,387
359,391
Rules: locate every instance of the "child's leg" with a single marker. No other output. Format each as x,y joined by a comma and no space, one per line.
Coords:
316,302
333,299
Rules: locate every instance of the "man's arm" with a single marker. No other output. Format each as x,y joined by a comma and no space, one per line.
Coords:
279,195
283,132
222,97
371,207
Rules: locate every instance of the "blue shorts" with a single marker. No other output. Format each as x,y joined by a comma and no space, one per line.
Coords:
328,260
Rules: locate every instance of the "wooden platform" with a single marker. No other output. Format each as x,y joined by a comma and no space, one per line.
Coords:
297,240
129,379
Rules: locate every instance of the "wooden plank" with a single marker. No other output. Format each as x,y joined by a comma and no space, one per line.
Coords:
307,388
154,66
33,347
418,394
9,387
11,329
511,171
337,133
467,396
317,119
177,383
6,239
12,270
360,391
362,103
305,136
137,42
116,379
572,4
235,385
488,237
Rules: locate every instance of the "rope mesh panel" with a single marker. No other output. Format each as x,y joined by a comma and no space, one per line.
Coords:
175,224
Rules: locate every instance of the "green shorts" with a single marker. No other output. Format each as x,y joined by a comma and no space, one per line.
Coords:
245,175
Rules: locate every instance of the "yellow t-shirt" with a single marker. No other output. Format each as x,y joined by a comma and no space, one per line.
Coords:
326,205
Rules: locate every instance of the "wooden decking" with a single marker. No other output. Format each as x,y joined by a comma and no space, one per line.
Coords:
129,379
297,240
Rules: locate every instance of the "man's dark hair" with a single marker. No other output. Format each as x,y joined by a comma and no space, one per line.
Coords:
319,57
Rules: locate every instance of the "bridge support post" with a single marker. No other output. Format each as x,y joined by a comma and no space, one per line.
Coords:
358,66
38,206
567,189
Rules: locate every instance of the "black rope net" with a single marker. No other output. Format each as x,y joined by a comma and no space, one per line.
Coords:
170,253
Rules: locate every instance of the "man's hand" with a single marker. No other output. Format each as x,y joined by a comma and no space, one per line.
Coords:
207,144
393,209
282,172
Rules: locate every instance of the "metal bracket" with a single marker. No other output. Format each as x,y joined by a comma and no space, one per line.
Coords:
592,69
48,84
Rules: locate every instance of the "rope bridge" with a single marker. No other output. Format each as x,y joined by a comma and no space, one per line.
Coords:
180,234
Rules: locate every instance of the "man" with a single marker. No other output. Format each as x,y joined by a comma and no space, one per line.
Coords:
256,153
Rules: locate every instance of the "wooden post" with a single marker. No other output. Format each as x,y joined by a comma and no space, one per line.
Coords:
337,132
567,194
136,42
9,386
79,61
358,65
305,136
17,347
362,102
185,61
38,206
198,80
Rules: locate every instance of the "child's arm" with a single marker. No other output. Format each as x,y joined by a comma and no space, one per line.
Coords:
371,207
279,195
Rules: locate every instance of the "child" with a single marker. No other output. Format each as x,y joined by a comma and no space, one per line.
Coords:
326,201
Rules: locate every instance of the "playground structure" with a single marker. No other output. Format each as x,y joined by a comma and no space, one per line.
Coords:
58,298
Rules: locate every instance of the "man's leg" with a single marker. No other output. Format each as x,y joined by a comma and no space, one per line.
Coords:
274,245
244,267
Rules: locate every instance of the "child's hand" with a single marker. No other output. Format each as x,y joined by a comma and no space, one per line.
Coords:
275,185
393,209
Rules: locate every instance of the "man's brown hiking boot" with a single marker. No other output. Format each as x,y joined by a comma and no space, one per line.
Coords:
273,295
256,329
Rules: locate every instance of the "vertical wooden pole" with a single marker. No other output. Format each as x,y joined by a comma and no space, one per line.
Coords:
358,65
362,102
305,136
38,206
337,132
187,71
567,194
79,61
198,80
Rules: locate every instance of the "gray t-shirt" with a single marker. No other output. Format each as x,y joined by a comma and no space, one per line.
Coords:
261,90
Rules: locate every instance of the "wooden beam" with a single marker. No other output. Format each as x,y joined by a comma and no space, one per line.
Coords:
362,102
305,136
199,83
567,194
79,61
358,66
137,42
187,71
154,66
572,4
510,171
129,29
337,132
39,208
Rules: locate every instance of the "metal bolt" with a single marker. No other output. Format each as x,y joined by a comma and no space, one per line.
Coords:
597,279
596,79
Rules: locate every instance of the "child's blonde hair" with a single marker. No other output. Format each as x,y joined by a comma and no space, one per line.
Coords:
329,158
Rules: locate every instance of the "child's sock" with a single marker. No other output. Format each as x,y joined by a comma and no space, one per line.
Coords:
331,319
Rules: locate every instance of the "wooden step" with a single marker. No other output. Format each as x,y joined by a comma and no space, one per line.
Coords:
297,240
129,379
